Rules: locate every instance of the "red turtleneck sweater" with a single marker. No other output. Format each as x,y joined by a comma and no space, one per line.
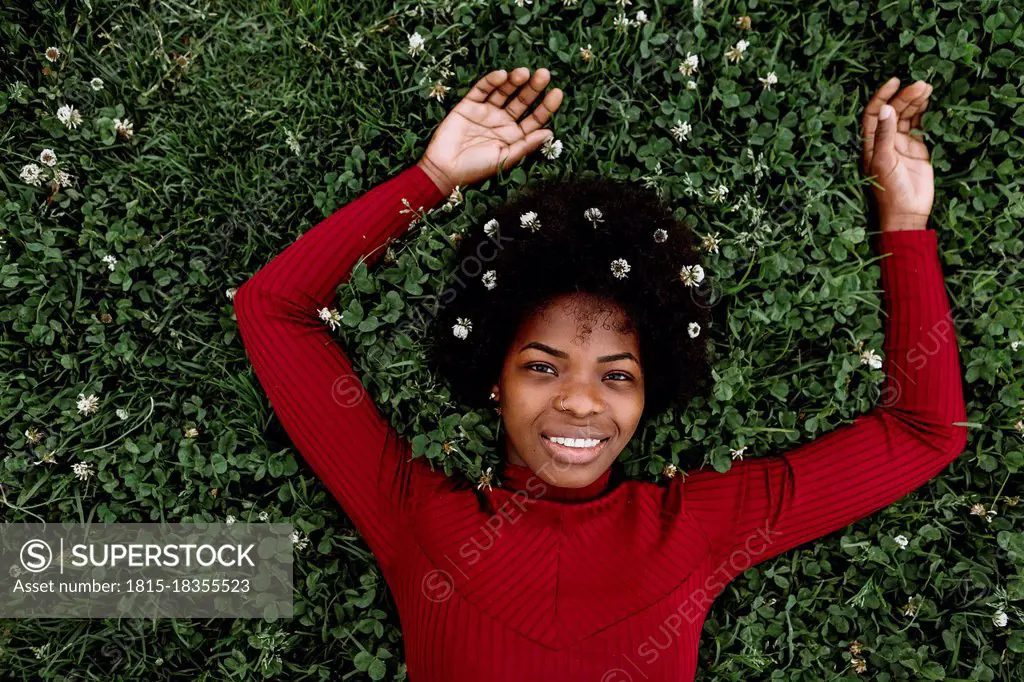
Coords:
608,583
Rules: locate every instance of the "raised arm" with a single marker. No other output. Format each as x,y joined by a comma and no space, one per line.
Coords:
307,377
761,508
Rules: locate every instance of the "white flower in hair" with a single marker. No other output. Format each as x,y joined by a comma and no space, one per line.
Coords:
594,215
529,221
691,275
491,227
620,267
462,327
693,329
490,279
660,236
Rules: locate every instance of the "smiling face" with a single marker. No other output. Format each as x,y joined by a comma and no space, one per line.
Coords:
576,353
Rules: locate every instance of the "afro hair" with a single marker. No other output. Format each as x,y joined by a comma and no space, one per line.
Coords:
516,266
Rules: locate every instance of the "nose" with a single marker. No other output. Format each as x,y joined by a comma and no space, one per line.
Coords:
579,399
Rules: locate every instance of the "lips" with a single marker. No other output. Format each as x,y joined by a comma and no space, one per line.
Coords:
574,455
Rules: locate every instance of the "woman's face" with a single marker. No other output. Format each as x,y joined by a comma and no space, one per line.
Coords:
573,350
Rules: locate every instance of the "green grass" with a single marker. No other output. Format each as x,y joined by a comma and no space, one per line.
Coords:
208,190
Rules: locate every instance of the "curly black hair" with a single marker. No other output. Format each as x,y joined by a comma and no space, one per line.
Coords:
573,251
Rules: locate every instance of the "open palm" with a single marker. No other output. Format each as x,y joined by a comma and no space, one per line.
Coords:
482,133
899,160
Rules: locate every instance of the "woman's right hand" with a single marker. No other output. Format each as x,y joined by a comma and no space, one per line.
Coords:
482,134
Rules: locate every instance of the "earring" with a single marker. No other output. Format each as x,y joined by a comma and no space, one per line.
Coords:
495,397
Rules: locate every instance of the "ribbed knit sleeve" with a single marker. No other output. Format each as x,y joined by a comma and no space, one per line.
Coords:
763,507
308,378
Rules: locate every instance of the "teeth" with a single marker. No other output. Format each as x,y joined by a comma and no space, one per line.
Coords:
575,442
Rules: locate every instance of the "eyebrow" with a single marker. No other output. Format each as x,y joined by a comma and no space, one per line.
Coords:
565,356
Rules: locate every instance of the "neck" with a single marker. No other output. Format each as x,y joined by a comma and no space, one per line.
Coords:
518,477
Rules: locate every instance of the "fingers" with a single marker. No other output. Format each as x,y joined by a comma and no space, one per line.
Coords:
542,114
525,97
508,86
489,84
520,148
906,121
884,158
870,121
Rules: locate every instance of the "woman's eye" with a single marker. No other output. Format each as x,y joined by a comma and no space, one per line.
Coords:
621,374
538,365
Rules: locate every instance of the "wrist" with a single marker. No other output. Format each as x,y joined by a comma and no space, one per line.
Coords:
435,174
903,222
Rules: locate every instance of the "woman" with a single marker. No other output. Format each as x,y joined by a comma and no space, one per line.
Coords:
568,572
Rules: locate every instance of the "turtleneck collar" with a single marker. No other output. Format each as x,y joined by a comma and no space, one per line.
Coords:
523,478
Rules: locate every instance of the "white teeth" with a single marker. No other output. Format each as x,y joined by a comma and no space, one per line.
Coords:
575,442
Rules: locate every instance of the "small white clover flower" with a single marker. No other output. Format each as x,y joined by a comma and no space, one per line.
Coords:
454,198
902,541
264,516
693,329
1015,345
735,53
719,193
620,268
415,44
743,22
83,470
710,243
438,91
462,327
586,53
621,23
191,432
491,227
522,3
529,221
551,148
53,53
660,235
121,413
41,651
69,116
87,405
691,275
978,509
229,519
1000,619
594,215
32,174
47,157
681,130
230,293
292,142
691,85
61,179
871,358
330,316
111,261
485,479
768,81
689,65
738,454
490,279
299,541
124,128
641,18
96,84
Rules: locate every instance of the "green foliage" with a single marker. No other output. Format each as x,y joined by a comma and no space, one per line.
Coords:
252,121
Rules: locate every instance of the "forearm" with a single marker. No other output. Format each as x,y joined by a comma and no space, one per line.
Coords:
923,383
310,269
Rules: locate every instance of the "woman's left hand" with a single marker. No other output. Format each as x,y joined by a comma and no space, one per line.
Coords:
898,159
